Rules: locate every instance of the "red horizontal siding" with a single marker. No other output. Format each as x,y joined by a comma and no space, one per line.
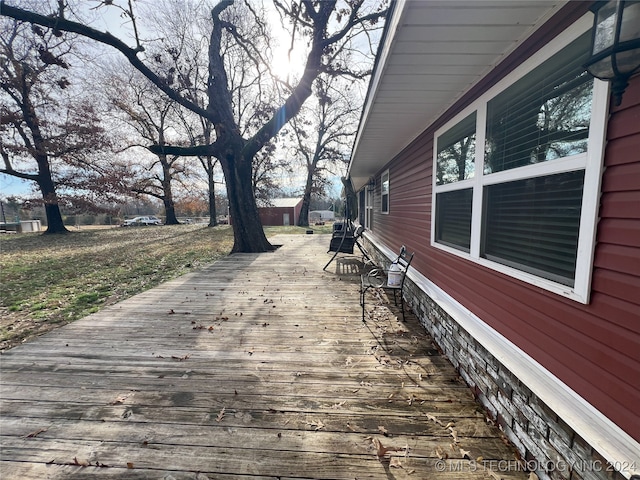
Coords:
617,258
619,231
620,205
623,150
622,178
594,348
616,285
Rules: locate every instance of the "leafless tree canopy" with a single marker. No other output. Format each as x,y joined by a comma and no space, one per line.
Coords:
326,29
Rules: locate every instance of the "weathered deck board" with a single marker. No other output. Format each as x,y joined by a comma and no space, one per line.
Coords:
257,366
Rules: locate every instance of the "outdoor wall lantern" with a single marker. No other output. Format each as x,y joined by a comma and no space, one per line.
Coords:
615,44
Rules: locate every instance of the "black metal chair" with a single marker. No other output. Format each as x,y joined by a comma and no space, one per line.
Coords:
379,278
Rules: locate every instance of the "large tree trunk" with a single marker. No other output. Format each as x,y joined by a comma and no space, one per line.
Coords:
303,220
213,215
170,212
248,234
51,206
167,192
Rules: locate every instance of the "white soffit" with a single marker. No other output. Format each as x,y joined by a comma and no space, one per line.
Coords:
434,52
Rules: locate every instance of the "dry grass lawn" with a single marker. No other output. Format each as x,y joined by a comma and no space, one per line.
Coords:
51,280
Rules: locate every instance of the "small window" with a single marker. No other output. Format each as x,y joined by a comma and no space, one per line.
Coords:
456,152
453,218
384,185
369,196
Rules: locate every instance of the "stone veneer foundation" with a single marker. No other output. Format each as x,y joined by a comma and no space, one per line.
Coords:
545,442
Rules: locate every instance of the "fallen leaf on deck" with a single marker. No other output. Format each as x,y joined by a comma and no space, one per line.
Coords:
465,454
36,433
381,450
433,419
533,476
454,434
494,475
121,398
180,359
221,414
316,424
129,465
441,454
395,463
383,430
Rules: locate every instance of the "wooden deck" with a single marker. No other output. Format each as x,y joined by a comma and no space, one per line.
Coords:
258,366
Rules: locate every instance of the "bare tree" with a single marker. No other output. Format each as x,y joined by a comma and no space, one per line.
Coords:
324,27
323,136
48,134
154,119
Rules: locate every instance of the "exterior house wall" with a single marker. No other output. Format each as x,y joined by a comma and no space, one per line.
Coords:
592,348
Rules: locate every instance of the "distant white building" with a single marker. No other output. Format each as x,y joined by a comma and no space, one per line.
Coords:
322,216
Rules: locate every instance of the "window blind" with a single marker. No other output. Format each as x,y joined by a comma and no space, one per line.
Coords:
533,224
544,115
453,218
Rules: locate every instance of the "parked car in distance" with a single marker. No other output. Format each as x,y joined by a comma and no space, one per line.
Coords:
141,221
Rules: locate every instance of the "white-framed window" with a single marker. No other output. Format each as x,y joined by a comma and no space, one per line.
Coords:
368,207
384,192
516,176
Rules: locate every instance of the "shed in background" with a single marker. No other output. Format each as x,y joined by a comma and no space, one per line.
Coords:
281,212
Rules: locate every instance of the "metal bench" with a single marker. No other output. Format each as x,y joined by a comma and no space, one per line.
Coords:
380,278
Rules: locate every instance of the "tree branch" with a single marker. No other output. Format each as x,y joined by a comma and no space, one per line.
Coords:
60,23
193,151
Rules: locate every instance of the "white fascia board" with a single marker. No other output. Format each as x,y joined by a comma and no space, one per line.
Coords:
399,12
